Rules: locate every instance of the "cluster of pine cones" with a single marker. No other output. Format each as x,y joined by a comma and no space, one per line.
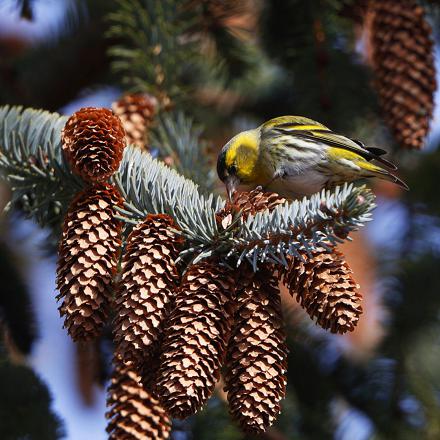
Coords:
177,329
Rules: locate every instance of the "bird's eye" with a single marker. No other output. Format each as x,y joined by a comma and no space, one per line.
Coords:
232,169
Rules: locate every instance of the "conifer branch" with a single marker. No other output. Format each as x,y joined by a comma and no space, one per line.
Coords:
326,218
162,48
150,56
179,140
32,162
151,187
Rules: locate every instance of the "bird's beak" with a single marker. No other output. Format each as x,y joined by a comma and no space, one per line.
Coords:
231,183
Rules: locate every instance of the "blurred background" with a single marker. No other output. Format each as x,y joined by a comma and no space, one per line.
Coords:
231,65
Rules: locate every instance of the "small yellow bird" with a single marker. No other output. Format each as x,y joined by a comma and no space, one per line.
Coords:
296,156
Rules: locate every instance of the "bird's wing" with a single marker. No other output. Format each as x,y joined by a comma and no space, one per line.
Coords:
338,141
308,129
292,123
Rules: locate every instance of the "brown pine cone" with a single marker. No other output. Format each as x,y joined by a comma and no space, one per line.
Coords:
134,413
324,286
87,259
256,359
146,290
249,203
137,112
403,62
93,143
256,200
196,338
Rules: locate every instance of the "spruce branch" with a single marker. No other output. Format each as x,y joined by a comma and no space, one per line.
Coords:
179,139
31,160
324,219
226,33
151,187
150,56
162,47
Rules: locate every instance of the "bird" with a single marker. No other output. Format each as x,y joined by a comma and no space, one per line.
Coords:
296,156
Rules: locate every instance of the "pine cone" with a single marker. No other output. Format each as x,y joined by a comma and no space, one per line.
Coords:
403,62
146,291
256,359
93,142
196,338
256,200
249,203
137,112
87,258
134,413
324,286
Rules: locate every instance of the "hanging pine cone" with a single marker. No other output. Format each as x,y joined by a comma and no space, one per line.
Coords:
137,112
93,142
256,359
324,286
146,291
134,413
87,258
403,61
196,338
